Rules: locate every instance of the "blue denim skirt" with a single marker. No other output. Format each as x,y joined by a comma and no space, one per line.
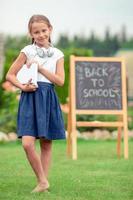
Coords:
39,114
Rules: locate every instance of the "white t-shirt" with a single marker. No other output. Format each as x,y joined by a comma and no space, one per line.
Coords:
49,63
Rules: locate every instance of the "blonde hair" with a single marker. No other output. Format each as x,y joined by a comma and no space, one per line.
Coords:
38,18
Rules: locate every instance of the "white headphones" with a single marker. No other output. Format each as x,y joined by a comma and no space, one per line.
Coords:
43,52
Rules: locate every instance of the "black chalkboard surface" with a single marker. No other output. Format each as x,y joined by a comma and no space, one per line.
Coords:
98,85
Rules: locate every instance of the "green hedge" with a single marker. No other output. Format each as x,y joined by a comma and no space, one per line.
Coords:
10,56
8,110
8,100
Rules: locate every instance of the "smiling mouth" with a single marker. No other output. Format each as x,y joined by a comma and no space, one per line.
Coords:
42,39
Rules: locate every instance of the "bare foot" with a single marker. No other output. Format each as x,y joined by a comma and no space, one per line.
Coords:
41,187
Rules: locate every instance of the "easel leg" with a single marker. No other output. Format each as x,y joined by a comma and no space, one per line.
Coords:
74,146
69,140
125,137
119,142
69,130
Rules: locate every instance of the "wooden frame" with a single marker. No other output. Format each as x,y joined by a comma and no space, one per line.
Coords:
122,114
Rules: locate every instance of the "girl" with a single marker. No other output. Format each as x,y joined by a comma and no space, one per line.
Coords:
39,113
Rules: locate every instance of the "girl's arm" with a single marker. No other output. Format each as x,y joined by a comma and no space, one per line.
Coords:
59,77
12,72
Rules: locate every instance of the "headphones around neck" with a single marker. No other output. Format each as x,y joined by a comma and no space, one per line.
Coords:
43,52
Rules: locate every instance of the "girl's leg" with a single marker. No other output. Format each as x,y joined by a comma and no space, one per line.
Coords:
46,152
28,143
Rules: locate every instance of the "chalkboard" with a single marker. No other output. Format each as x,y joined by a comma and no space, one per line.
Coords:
98,85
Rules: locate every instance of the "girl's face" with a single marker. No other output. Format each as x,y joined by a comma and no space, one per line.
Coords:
40,31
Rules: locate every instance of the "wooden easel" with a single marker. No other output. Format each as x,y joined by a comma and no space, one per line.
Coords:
73,111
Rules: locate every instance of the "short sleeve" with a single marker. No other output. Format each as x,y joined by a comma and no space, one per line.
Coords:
25,50
59,55
29,51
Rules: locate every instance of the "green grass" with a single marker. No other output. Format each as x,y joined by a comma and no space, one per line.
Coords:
96,175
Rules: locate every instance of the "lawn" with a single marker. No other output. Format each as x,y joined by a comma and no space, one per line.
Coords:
97,174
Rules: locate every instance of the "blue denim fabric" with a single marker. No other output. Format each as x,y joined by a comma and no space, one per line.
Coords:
39,114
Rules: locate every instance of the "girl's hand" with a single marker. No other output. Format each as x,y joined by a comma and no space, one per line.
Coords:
29,87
